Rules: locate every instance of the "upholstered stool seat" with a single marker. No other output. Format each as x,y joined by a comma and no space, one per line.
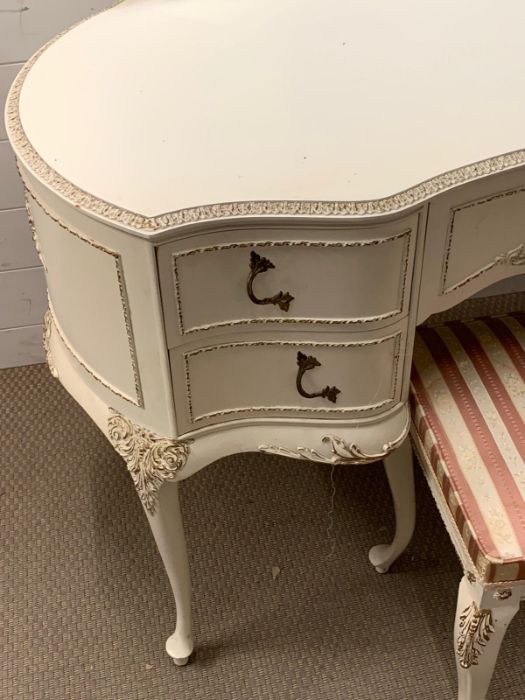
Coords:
468,413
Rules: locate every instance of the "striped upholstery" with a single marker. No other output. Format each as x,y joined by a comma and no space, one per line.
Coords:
468,409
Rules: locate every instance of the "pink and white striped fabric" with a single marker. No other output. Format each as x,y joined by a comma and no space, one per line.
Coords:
468,408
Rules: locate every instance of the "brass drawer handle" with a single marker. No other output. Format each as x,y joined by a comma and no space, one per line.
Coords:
309,362
258,265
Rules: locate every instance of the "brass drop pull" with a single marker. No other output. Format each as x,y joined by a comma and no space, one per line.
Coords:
258,265
309,362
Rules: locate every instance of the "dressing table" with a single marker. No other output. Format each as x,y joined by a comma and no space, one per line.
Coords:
244,207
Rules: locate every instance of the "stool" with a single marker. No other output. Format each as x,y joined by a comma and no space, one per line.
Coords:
468,413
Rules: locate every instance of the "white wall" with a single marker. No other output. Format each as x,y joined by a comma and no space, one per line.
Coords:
24,26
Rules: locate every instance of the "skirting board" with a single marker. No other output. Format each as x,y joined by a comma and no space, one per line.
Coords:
21,346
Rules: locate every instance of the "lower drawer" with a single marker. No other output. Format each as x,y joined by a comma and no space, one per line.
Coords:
276,378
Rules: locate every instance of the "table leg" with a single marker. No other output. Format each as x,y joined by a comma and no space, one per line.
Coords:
168,531
400,475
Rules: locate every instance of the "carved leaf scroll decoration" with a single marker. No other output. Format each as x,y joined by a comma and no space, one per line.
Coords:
516,256
151,460
341,452
475,627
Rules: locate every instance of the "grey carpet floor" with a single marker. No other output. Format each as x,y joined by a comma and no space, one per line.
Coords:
85,607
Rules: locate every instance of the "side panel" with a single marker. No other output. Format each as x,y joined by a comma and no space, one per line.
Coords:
475,237
89,303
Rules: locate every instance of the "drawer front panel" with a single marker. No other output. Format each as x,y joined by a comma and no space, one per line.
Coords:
474,245
335,277
475,238
258,378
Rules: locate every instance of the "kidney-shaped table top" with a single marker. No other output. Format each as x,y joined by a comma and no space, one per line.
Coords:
156,106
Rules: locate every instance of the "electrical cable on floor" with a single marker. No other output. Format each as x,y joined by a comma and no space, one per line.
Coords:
329,530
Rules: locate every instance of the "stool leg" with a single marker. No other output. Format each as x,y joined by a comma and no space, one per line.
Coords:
482,618
167,528
400,475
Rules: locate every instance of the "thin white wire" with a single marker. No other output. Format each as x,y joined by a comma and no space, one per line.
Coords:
331,522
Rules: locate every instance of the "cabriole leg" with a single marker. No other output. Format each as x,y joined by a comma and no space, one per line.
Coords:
400,475
168,531
482,618
153,462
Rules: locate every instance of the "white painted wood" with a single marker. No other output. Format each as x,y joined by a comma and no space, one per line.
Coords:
477,233
472,241
140,275
7,75
400,475
17,249
21,346
204,278
27,24
11,192
89,279
23,297
474,681
246,377
168,530
337,100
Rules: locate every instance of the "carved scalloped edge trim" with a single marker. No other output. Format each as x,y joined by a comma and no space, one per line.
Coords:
514,256
133,220
341,452
396,337
405,236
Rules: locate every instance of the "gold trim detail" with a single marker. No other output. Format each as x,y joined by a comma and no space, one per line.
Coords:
300,409
151,460
503,594
34,235
133,220
406,234
341,452
139,400
47,327
475,627
515,256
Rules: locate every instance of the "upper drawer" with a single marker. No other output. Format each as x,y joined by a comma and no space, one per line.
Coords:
300,275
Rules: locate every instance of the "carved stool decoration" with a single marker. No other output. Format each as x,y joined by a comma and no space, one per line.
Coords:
468,410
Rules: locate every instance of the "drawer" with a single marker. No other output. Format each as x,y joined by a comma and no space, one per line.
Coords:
254,378
336,275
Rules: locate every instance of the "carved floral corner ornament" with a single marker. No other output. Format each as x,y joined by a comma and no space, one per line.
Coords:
151,460
47,327
341,452
475,627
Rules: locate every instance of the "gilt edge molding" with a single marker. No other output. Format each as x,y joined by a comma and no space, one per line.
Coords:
151,459
138,222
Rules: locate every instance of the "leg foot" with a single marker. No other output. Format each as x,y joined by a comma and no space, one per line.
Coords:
482,618
180,662
400,475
